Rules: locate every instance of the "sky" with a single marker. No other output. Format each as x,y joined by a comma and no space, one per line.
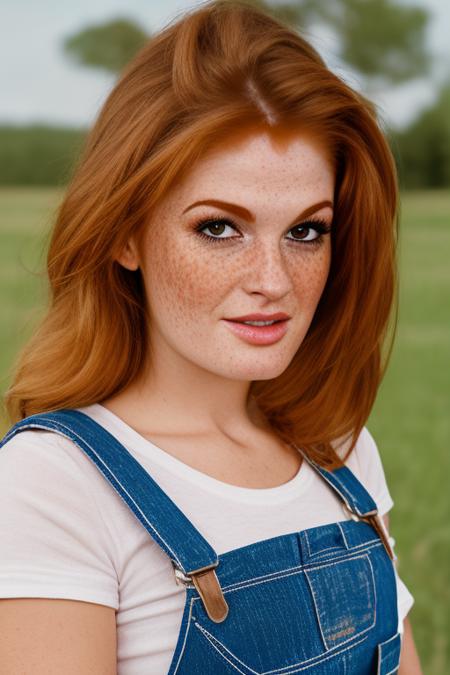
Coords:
39,84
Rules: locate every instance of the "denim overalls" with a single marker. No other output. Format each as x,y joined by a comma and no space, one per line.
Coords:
317,601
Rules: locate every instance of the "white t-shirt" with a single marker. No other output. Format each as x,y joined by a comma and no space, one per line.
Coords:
66,533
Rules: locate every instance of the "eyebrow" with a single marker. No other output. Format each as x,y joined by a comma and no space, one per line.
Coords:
242,212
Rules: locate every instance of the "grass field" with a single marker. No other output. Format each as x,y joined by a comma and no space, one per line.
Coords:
410,420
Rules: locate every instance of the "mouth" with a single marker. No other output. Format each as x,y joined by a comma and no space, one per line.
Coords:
259,332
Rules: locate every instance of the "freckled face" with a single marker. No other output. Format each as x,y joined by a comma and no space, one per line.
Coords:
258,263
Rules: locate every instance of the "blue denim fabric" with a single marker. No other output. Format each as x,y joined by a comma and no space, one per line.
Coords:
321,600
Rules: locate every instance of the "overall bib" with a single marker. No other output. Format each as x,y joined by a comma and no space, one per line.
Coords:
317,601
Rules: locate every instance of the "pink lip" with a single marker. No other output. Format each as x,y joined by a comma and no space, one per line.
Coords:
259,317
259,335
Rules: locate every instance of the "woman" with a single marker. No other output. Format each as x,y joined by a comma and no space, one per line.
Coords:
231,179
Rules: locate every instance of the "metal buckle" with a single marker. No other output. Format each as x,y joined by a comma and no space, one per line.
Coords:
208,587
372,518
349,513
182,579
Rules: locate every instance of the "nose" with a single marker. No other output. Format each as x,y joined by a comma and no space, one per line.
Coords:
267,269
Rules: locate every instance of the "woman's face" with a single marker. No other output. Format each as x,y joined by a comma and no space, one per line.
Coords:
262,255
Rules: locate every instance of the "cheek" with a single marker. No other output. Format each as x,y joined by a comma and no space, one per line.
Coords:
184,278
309,274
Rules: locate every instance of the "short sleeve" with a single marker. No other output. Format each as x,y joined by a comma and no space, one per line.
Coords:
53,543
365,462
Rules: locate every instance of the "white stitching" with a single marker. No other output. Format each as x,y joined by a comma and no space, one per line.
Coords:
296,570
317,611
374,590
376,543
305,533
327,548
326,658
395,670
336,648
343,534
318,659
383,658
265,577
211,639
312,568
185,637
361,632
349,497
389,640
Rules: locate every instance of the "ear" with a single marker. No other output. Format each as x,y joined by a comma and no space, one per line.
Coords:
129,257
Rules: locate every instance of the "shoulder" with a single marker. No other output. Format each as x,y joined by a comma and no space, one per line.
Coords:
41,458
53,534
45,469
48,482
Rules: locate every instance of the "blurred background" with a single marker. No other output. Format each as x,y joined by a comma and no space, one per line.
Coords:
58,63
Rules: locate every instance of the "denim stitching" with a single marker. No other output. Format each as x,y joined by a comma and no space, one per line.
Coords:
338,561
349,498
227,589
386,642
317,612
329,649
343,535
383,658
63,427
211,639
304,664
296,570
374,590
374,544
328,548
325,658
361,632
188,625
305,532
263,578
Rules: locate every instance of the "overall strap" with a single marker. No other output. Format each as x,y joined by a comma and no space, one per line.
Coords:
191,555
356,498
351,491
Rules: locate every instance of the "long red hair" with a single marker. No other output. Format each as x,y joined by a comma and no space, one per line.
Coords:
215,69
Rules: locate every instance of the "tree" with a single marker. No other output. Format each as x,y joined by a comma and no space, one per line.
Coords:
380,39
423,149
107,46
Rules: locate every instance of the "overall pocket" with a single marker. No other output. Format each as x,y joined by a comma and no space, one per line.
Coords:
344,598
294,618
389,655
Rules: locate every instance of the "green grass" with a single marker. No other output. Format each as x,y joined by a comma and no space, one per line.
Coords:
410,420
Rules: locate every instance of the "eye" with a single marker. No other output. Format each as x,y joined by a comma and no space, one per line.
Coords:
309,232
216,227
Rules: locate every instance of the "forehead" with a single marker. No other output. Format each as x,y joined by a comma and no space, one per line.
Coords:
273,159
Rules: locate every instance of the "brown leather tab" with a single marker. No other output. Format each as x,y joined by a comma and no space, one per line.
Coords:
210,591
375,521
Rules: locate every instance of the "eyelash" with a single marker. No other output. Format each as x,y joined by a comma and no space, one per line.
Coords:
317,224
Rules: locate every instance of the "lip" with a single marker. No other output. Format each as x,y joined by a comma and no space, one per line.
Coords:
259,335
259,317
